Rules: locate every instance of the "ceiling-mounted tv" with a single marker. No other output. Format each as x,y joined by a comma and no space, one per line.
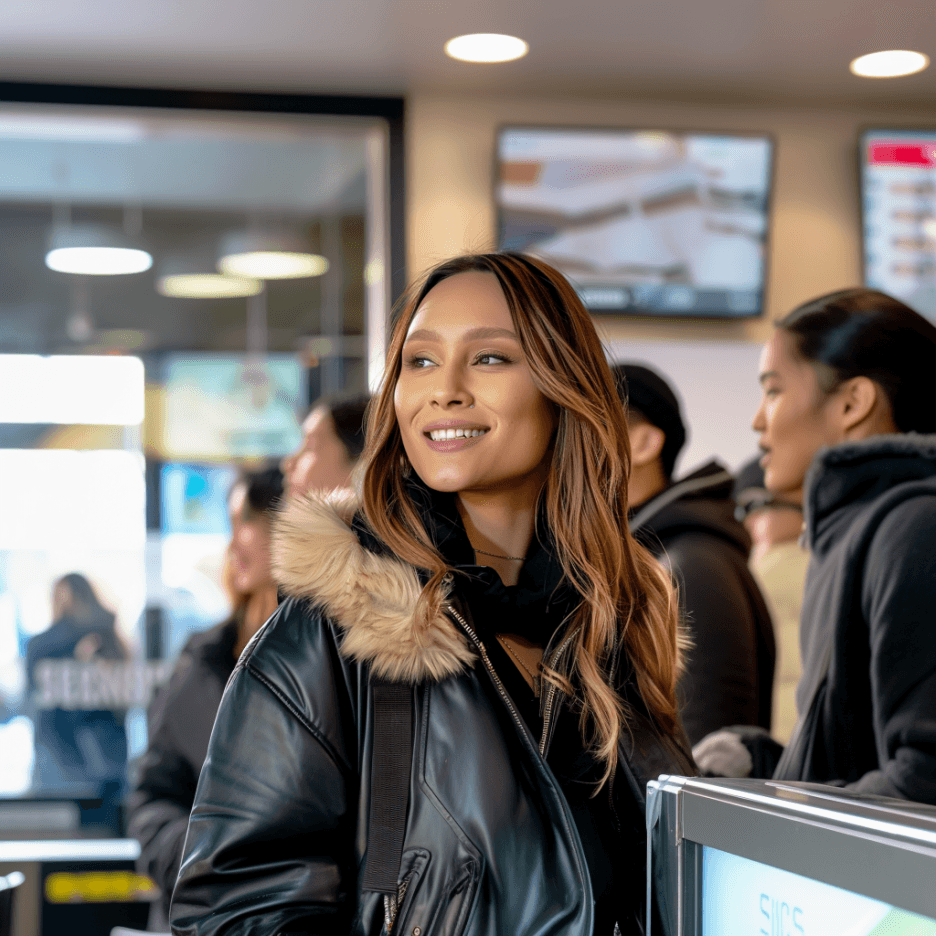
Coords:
643,222
898,214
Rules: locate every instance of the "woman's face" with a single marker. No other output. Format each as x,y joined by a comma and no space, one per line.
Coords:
470,416
795,418
249,552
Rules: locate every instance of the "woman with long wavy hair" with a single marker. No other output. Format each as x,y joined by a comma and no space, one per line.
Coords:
448,726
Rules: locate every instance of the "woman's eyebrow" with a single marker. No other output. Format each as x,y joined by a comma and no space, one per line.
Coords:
475,334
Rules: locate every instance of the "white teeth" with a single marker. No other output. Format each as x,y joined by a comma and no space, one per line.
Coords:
444,435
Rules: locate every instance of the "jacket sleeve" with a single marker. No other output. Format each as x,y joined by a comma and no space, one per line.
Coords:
159,812
720,685
270,839
899,598
166,776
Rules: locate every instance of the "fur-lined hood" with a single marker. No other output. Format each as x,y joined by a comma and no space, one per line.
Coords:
318,556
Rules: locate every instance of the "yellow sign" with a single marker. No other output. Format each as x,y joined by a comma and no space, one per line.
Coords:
98,887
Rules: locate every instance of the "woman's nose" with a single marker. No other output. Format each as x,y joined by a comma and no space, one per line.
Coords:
450,389
759,423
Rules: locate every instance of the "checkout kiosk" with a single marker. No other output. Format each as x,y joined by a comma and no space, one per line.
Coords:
768,858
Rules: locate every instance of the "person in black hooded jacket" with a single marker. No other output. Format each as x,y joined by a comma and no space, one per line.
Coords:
847,415
691,525
486,589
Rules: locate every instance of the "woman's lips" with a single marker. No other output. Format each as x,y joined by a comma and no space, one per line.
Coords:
453,445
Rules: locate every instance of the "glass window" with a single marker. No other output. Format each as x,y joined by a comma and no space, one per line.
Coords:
179,287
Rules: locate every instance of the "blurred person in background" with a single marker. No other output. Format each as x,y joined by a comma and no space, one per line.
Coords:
778,561
332,442
83,751
847,415
690,525
182,715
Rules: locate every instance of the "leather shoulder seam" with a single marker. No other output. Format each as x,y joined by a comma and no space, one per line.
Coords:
295,711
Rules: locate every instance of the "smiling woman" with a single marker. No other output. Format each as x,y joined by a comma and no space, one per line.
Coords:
488,584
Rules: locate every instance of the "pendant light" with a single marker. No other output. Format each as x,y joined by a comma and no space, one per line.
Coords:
269,256
95,250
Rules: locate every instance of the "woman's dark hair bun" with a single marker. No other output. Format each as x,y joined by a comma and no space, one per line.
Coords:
866,333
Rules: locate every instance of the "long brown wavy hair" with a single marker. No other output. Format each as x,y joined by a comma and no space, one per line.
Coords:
627,598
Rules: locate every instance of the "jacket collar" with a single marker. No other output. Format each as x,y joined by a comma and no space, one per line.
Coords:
370,594
702,499
859,472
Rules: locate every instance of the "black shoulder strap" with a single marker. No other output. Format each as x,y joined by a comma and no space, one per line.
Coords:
390,782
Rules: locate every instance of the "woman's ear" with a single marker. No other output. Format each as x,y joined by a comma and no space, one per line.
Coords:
646,441
862,409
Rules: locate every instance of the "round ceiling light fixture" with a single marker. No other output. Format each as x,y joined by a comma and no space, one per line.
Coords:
893,63
207,286
95,250
269,257
486,48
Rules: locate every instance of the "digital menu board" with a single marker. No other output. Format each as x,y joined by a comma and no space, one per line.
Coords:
898,188
741,897
654,223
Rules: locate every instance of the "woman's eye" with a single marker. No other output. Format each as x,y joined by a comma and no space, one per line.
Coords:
418,361
492,357
770,392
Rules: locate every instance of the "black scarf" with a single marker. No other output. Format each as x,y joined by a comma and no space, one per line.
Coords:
534,608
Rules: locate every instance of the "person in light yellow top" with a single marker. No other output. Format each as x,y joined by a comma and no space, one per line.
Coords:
778,562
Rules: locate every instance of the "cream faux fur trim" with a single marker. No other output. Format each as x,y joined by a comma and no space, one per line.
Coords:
372,598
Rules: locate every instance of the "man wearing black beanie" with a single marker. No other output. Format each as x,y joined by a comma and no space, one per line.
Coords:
690,525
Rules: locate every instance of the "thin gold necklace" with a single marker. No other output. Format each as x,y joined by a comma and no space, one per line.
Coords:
534,676
498,555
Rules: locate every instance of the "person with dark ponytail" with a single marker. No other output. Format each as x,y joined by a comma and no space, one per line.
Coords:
848,408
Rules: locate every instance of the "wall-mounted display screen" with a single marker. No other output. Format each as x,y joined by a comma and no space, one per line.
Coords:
649,223
898,191
220,407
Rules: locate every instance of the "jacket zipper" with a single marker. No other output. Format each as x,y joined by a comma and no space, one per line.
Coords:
476,640
551,690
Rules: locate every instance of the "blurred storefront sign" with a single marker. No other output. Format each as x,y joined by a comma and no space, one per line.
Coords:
99,684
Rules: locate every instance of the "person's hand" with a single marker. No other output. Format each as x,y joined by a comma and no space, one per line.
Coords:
723,754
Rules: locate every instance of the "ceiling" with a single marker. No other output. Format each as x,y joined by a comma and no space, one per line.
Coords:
184,183
732,49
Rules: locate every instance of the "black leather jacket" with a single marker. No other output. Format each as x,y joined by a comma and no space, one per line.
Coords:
278,832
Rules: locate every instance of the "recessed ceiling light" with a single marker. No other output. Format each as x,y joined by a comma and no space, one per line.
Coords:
207,286
486,47
890,64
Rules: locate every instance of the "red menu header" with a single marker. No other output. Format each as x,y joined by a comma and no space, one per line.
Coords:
902,154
